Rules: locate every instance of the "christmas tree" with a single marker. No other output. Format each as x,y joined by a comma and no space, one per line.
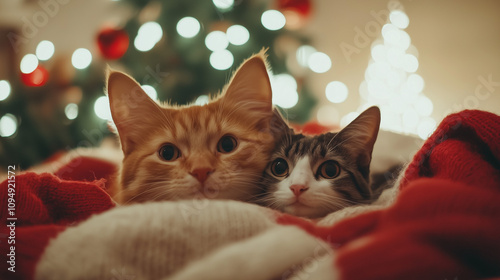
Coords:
179,51
391,81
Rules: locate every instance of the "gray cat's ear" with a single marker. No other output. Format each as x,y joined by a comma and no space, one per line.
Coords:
250,87
360,135
129,105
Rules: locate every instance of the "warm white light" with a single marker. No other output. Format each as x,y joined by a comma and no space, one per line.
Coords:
319,62
394,78
221,60
415,83
142,44
284,89
151,31
45,50
303,54
404,41
378,89
395,56
328,115
150,91
409,63
216,41
273,20
4,89
29,63
223,4
284,79
336,92
148,35
81,58
410,119
347,119
390,120
101,108
188,27
379,53
391,83
390,33
71,111
426,127
378,70
408,95
397,106
286,98
202,100
8,125
237,35
424,106
399,19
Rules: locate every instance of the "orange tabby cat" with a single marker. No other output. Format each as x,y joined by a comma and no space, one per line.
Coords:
217,150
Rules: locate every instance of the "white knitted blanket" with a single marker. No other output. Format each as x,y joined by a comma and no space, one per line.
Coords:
204,239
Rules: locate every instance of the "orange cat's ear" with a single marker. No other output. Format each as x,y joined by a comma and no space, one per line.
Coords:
279,125
360,135
130,106
250,87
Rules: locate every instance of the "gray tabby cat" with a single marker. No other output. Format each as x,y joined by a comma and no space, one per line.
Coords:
311,176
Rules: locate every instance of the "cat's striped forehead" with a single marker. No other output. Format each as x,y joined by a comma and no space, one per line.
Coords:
187,122
297,146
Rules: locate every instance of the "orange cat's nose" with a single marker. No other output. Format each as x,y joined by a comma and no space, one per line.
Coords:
298,189
201,174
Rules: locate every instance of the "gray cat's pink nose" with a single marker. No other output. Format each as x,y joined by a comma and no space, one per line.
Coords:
298,189
201,174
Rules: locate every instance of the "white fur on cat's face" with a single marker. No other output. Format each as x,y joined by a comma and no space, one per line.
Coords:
318,198
312,176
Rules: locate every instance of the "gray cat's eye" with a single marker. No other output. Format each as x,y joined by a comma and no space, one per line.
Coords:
329,169
279,167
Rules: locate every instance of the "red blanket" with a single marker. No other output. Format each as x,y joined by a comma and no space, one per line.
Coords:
445,223
44,206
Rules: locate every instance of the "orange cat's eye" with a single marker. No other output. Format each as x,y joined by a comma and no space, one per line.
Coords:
169,152
279,167
227,144
329,169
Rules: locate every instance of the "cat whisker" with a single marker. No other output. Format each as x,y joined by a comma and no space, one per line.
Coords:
264,199
152,188
330,202
351,201
276,204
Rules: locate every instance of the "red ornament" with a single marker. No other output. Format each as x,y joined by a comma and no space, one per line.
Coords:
37,78
302,7
112,43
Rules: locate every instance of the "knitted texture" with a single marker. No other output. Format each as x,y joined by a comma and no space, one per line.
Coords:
149,241
278,253
46,199
44,206
471,131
